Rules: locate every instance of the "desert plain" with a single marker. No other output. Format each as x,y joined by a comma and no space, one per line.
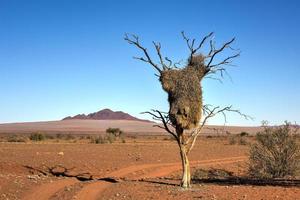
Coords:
144,165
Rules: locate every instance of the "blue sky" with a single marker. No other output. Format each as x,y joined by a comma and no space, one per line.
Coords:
60,58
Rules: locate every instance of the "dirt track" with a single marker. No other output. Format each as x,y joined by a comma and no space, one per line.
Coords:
141,169
45,191
93,190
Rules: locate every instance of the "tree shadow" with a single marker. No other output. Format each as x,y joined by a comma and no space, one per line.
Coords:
249,181
60,171
230,181
160,182
223,177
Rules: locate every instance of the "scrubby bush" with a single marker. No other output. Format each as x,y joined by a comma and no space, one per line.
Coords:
15,138
228,133
59,136
114,131
82,137
111,138
237,139
92,140
50,137
123,139
112,134
100,140
89,137
244,134
243,141
276,153
37,136
69,137
232,140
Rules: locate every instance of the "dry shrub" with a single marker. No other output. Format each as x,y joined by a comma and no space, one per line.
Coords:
69,137
123,140
232,140
237,139
113,134
83,137
244,134
276,153
114,131
243,141
98,139
49,137
111,138
16,138
92,139
37,136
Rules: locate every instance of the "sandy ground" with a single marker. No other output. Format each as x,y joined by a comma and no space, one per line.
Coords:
133,170
99,126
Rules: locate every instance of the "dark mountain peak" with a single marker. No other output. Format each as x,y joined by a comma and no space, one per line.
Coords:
105,114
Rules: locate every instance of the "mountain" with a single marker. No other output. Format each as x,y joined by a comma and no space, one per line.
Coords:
105,114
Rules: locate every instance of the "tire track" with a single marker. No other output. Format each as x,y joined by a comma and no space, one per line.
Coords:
94,189
166,170
45,191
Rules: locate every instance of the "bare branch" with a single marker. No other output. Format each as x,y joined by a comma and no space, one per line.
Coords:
226,61
217,110
177,63
191,43
213,53
213,78
190,46
170,62
212,46
158,47
203,41
209,113
135,41
212,68
158,115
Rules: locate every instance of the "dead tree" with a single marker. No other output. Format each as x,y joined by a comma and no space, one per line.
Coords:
183,85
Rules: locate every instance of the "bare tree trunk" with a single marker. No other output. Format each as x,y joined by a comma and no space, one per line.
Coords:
186,173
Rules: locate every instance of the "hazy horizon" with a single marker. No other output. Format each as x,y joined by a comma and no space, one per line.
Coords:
144,117
62,58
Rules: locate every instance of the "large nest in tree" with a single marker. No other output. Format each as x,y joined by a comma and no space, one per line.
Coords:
183,84
185,93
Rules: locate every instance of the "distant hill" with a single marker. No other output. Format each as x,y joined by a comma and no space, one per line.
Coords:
105,114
